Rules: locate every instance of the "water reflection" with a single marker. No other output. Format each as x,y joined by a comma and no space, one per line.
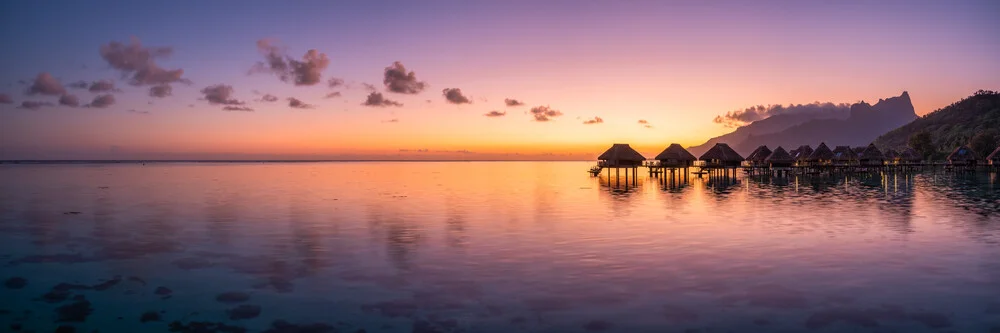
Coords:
429,247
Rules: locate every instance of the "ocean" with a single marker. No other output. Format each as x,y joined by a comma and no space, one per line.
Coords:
491,247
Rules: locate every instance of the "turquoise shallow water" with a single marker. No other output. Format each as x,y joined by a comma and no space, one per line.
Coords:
491,247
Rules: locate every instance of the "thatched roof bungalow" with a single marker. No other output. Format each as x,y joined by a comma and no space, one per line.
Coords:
994,158
802,153
822,155
858,150
963,155
621,155
910,155
779,158
871,156
844,155
675,156
758,155
721,155
891,156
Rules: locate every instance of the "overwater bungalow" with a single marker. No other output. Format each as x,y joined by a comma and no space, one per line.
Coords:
672,162
675,156
779,160
910,156
801,154
871,157
844,156
891,157
722,157
994,158
963,159
757,157
620,156
858,150
822,156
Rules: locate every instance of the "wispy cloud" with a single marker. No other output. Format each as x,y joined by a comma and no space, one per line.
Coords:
140,63
69,100
595,120
102,86
751,114
160,91
393,120
334,94
544,113
298,104
102,101
134,111
645,123
45,84
377,100
495,113
268,98
305,72
512,102
5,99
220,94
334,82
454,96
398,80
237,108
34,105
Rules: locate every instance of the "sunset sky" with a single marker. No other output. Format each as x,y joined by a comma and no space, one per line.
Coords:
676,65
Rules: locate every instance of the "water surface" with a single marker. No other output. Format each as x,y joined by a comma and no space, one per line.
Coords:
493,247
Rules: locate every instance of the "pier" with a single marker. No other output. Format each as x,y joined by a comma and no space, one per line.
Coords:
675,165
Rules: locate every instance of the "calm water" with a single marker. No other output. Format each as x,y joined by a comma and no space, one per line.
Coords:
492,247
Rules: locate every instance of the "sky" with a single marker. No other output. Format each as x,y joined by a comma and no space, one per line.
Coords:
585,73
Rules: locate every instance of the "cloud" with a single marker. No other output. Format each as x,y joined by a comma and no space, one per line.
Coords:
269,98
102,101
69,100
45,84
237,108
544,113
334,82
596,120
160,91
334,94
101,86
512,102
140,63
78,85
454,96
397,80
305,72
220,94
495,113
751,114
368,86
138,112
643,121
393,120
34,105
5,99
298,104
376,99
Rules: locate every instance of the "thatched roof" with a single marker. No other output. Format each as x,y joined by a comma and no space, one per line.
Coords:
760,154
822,152
780,156
995,155
871,153
675,152
621,152
911,155
963,153
890,154
844,153
721,152
858,150
802,153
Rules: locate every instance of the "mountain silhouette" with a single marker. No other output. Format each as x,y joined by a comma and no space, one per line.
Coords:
859,126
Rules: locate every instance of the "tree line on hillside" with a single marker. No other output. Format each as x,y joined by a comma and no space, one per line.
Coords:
973,121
